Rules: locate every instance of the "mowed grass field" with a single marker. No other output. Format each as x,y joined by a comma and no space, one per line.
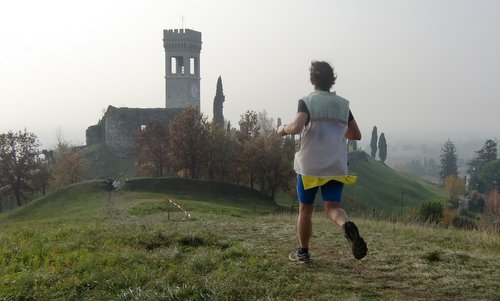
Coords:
85,243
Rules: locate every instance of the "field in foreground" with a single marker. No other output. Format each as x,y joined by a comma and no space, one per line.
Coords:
86,243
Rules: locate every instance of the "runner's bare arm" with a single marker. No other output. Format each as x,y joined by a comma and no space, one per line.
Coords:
295,126
353,132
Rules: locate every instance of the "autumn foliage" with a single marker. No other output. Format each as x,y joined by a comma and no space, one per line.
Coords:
151,149
455,187
190,146
19,164
69,166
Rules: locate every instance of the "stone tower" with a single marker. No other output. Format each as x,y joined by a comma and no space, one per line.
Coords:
182,67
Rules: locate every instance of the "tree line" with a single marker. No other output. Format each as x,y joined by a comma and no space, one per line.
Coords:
482,176
190,146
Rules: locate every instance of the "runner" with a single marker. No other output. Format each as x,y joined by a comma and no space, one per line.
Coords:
325,121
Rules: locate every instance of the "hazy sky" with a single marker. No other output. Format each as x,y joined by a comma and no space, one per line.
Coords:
417,67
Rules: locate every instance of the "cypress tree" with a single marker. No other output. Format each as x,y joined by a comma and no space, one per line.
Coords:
373,142
218,104
382,148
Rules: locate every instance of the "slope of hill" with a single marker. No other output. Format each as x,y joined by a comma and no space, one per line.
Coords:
91,198
85,243
384,190
380,189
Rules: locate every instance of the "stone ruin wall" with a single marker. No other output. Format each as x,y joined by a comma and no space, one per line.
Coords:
118,126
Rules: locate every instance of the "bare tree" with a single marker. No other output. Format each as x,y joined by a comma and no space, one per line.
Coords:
266,124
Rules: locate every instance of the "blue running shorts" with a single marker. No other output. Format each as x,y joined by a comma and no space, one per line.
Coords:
331,191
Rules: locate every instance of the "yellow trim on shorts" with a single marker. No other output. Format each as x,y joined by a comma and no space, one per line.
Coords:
311,182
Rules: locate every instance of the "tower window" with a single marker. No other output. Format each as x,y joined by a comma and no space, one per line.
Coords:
176,65
192,67
173,65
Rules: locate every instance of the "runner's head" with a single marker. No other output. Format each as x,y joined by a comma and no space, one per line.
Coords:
321,75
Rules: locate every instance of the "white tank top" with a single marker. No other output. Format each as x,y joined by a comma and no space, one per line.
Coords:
323,149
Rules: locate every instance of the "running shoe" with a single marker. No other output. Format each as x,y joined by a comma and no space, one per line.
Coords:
300,256
358,244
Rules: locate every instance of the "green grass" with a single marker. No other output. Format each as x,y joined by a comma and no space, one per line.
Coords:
384,190
84,243
380,189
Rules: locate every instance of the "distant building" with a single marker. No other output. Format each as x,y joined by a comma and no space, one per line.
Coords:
118,126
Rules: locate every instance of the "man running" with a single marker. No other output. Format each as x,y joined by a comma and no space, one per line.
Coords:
325,120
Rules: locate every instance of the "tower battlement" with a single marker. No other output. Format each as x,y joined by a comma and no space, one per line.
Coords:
181,39
182,35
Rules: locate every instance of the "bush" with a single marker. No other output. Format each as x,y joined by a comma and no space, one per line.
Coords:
432,211
448,217
477,203
464,222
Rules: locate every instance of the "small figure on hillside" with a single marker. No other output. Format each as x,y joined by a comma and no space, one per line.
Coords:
116,184
325,121
109,184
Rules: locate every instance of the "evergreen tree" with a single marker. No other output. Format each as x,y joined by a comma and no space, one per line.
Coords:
487,154
489,151
382,148
490,175
218,104
448,160
373,142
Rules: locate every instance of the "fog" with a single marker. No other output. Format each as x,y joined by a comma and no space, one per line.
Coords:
416,69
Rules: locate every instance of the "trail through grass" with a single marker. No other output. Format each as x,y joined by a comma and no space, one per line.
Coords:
121,246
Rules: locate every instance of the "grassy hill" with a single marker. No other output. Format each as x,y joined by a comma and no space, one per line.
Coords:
380,189
385,190
85,243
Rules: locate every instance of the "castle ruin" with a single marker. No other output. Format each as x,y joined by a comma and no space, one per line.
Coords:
118,126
